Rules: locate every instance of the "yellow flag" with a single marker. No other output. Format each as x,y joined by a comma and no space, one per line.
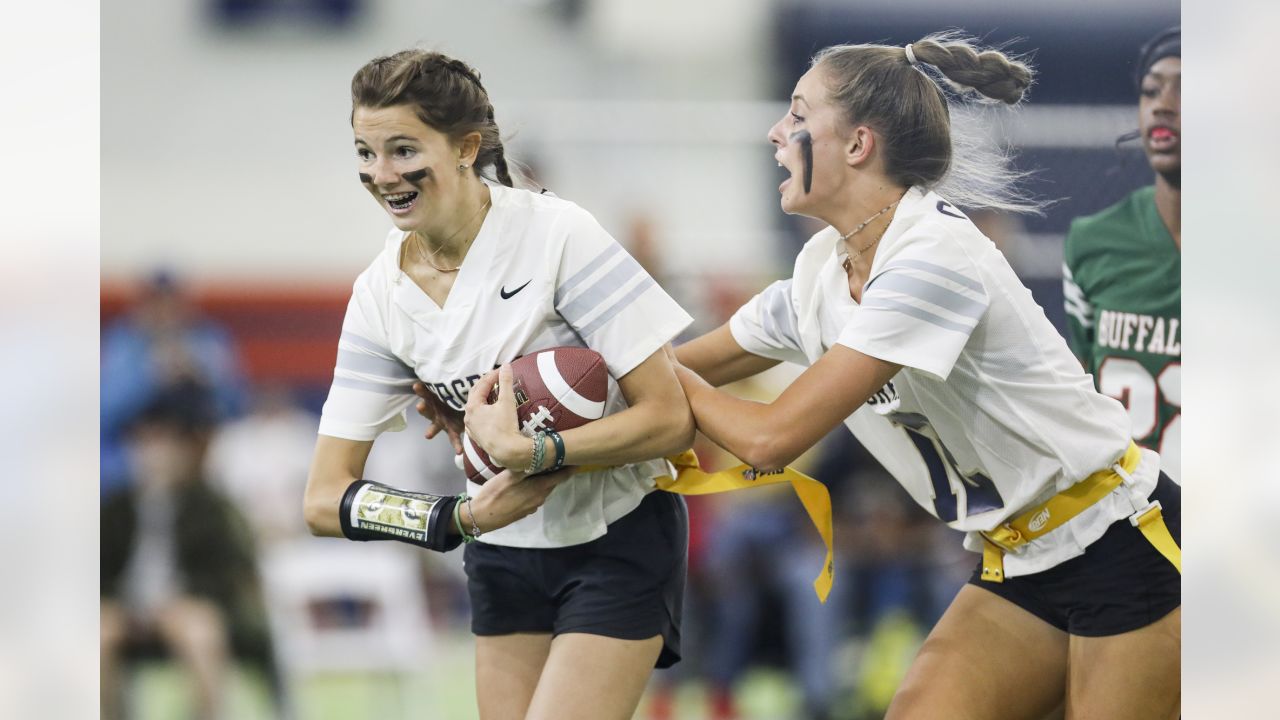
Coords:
691,479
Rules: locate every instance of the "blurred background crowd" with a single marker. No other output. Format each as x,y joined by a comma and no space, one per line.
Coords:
233,227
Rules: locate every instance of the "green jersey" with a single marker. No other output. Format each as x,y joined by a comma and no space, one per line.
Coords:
1122,285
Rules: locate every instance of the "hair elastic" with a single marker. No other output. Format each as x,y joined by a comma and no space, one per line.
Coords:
911,56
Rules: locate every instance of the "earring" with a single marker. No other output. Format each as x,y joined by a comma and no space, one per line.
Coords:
462,168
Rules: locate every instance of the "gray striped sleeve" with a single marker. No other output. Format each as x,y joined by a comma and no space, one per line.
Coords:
364,344
373,365
599,290
940,271
930,292
577,278
883,303
618,306
375,387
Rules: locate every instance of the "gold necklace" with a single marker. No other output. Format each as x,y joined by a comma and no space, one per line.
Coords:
848,261
428,259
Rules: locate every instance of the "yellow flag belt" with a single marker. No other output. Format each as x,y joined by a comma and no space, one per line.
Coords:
1042,519
691,479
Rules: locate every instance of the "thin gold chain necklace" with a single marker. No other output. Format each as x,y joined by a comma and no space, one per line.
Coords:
848,261
428,259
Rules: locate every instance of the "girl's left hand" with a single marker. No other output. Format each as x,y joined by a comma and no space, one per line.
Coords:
443,419
495,427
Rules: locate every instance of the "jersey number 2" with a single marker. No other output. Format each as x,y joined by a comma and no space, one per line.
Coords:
980,494
1126,380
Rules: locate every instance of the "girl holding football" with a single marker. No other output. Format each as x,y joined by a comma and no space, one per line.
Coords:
920,338
575,582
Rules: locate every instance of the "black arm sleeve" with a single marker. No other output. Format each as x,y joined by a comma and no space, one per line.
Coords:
372,511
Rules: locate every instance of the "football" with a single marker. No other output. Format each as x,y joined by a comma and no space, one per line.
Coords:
559,389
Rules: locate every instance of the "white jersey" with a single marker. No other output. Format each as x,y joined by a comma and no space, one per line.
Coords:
991,413
541,273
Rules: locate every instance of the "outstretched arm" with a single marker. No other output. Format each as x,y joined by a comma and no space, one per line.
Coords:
440,418
770,435
719,359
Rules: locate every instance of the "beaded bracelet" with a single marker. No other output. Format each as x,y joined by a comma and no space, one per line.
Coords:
539,452
475,526
457,517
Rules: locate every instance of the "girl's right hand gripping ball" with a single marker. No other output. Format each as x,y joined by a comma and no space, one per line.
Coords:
556,389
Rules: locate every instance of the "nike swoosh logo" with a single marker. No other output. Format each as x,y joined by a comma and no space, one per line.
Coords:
942,208
505,295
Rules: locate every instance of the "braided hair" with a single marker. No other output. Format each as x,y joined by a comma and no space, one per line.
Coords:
446,93
908,99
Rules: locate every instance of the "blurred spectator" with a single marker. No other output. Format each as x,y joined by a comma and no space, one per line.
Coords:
764,549
336,609
898,572
433,471
756,562
161,341
177,561
261,462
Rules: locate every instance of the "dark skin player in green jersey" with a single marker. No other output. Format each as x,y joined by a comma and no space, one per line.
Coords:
1123,270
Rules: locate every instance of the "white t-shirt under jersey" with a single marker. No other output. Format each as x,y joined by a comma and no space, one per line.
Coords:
991,413
541,273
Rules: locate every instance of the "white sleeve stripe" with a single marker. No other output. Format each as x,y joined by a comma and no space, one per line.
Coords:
881,303
1074,300
382,388
586,271
1084,320
563,392
777,319
363,344
618,306
940,271
929,292
1073,291
599,291
1078,309
373,365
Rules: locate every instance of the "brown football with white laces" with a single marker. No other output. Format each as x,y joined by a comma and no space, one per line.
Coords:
559,388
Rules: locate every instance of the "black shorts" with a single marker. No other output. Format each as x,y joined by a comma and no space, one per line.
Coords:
1120,583
627,584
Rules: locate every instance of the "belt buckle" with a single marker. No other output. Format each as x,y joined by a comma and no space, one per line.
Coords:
1136,518
1009,545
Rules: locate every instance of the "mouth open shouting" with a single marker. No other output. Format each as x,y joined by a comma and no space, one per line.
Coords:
804,141
401,203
